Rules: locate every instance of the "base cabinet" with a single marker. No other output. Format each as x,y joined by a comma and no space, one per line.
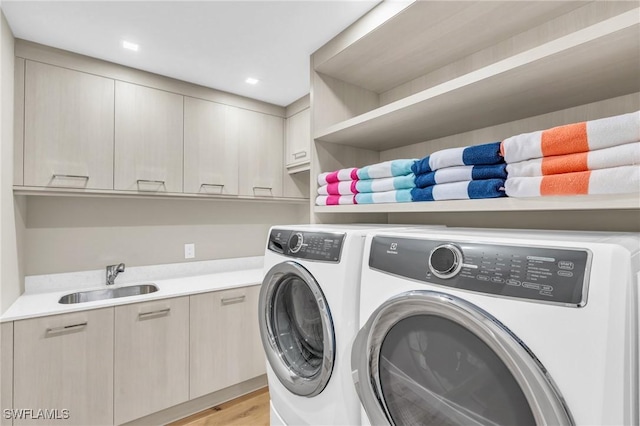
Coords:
225,339
151,357
64,364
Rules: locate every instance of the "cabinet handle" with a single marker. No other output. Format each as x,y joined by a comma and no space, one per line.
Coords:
232,300
56,175
143,315
67,327
299,154
150,181
267,188
214,185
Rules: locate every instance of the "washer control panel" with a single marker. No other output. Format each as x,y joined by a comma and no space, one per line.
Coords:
550,274
323,246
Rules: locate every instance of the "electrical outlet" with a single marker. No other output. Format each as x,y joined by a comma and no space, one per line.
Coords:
189,251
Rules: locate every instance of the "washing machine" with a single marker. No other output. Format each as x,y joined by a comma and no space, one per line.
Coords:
308,314
487,327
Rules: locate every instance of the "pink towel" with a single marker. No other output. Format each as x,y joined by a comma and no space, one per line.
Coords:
338,176
572,138
335,200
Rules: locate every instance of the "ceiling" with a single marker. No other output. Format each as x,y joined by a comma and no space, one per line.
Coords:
217,44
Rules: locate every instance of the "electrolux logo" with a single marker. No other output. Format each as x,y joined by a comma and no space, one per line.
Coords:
393,248
36,414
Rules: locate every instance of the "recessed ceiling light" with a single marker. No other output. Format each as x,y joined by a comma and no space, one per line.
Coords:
129,45
252,80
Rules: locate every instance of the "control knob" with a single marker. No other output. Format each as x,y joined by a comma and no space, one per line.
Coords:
295,242
445,261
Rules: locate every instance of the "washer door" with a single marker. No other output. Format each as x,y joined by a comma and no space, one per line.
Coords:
296,329
426,357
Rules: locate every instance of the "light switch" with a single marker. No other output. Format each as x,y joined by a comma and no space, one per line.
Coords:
189,251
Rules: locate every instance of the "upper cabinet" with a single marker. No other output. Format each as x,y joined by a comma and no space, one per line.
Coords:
261,150
298,136
409,79
210,148
68,132
148,139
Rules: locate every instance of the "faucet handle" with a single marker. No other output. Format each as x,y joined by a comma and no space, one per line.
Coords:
120,267
113,271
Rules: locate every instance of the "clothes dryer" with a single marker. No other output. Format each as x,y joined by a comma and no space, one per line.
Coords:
467,326
308,314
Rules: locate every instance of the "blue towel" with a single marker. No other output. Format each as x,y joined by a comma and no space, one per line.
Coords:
461,173
397,196
386,169
485,154
473,189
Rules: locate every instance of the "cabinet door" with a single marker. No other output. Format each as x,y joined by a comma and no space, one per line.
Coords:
210,149
65,362
225,340
261,139
151,357
298,138
148,139
68,128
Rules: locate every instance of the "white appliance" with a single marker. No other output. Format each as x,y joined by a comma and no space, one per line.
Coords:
308,314
468,326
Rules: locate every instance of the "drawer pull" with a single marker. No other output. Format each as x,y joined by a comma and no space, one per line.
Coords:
266,188
143,315
56,175
299,154
233,300
67,327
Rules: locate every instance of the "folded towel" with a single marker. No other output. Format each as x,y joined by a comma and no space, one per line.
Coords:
386,169
473,189
572,138
484,154
616,180
621,155
461,173
338,176
368,185
397,196
334,200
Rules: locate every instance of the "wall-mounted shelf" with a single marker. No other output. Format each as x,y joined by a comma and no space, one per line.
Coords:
75,192
559,203
592,64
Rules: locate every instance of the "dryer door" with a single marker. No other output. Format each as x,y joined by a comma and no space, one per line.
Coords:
296,329
430,358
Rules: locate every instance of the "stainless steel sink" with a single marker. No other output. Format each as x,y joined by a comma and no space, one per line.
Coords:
108,293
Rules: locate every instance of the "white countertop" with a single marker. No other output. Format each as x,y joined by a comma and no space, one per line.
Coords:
37,301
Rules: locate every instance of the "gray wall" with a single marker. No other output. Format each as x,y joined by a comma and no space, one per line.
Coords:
65,234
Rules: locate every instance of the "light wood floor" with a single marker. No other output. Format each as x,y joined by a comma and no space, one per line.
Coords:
250,409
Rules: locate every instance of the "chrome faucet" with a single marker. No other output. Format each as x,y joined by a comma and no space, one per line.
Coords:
113,271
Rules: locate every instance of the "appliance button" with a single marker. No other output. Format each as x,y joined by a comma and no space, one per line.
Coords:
445,261
295,242
497,280
565,273
482,277
513,282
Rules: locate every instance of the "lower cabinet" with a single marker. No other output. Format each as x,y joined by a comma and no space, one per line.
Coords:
225,339
151,357
64,364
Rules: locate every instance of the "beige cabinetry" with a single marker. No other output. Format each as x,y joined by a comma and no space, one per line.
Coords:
68,131
224,340
210,148
65,362
148,139
151,357
298,140
261,139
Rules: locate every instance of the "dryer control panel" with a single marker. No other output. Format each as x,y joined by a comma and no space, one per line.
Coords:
550,274
323,246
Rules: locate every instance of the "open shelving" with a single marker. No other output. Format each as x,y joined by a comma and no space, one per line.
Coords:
405,82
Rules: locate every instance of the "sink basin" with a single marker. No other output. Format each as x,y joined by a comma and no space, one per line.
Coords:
108,293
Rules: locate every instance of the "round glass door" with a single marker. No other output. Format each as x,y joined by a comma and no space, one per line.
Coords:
434,359
296,329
